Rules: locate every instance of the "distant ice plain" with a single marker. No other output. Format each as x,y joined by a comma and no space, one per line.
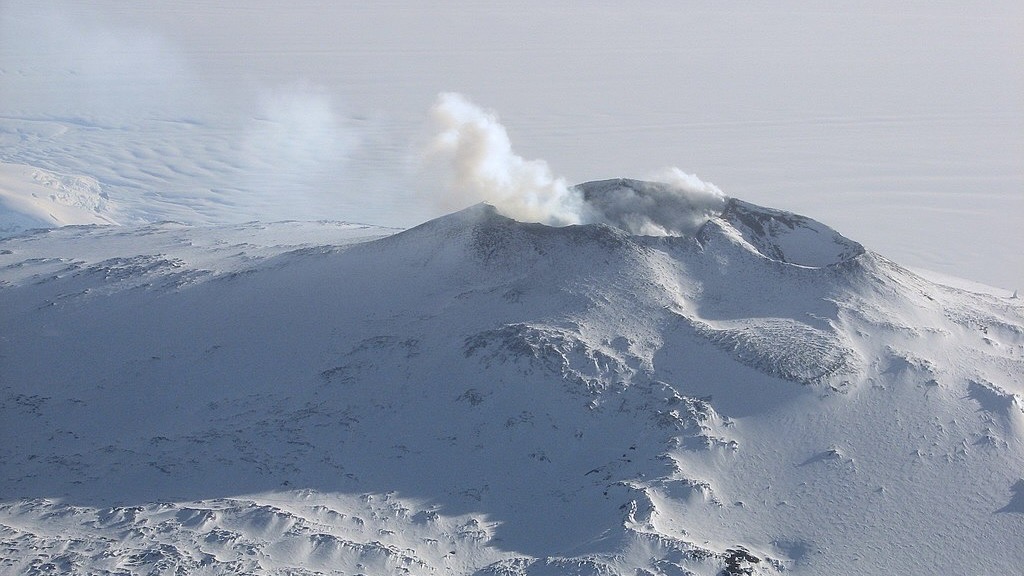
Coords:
900,124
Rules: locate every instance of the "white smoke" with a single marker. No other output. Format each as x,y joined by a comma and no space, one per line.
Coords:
473,153
680,206
296,143
224,148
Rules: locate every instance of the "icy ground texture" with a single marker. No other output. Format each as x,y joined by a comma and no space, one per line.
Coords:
36,198
482,396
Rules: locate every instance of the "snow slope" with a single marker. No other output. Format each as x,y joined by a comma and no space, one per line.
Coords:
482,396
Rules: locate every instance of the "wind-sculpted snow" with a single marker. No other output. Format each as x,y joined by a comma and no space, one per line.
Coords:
783,348
555,350
229,536
482,396
36,198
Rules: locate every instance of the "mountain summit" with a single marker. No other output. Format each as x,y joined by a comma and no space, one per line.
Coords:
751,394
659,209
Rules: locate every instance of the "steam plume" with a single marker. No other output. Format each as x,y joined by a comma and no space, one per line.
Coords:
475,156
473,152
272,150
296,144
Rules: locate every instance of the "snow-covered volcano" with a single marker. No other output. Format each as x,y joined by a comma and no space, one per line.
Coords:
478,395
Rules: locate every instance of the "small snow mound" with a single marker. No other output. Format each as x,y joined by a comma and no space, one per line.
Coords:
997,401
1016,504
787,237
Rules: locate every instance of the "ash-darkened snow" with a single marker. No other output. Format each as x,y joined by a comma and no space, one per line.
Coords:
752,394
